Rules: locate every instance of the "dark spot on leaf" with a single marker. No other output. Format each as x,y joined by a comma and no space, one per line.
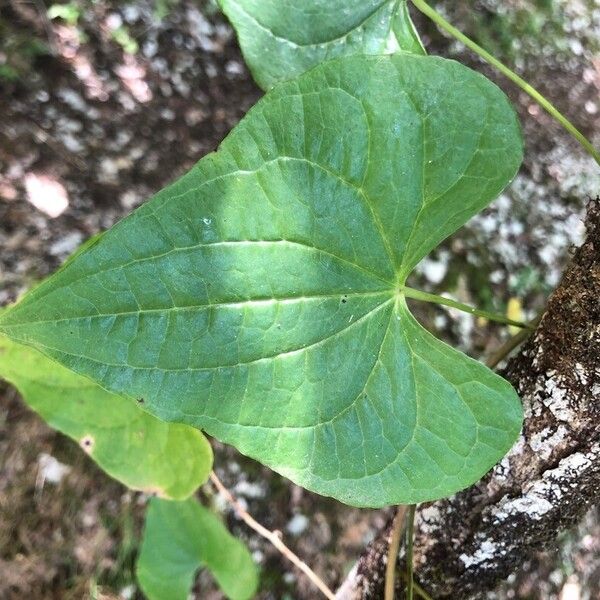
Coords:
140,400
87,443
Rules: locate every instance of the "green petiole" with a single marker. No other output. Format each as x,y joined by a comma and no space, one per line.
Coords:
435,299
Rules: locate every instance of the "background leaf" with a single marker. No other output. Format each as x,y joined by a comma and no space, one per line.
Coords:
260,297
281,39
181,537
407,37
131,445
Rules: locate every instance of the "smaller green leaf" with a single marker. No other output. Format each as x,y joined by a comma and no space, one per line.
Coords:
181,537
281,39
144,453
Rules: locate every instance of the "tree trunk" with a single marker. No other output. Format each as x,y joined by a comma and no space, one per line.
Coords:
465,544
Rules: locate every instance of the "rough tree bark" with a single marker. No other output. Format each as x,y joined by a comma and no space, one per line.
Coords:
465,544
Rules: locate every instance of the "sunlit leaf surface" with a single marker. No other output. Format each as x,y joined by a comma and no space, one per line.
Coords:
260,297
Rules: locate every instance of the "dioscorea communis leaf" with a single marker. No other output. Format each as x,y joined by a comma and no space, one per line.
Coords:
261,296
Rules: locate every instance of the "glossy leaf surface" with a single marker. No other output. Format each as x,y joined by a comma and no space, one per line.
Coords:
170,460
281,39
260,297
181,537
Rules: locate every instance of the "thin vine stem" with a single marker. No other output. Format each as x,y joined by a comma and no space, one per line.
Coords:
435,299
514,342
410,539
526,87
271,536
418,589
393,550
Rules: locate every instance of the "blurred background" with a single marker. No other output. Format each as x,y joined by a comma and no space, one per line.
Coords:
102,103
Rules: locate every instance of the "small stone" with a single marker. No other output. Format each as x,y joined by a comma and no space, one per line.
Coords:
297,525
51,470
47,194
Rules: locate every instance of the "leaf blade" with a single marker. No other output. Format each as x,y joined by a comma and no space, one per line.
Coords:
352,173
181,537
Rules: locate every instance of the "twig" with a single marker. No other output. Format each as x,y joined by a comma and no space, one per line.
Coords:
410,539
512,343
272,536
394,548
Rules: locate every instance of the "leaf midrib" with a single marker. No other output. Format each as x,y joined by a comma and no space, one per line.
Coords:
286,353
232,304
38,293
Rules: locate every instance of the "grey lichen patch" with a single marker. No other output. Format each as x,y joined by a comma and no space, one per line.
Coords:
547,440
487,551
542,506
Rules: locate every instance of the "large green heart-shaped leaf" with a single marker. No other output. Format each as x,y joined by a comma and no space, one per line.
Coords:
260,297
181,537
281,39
167,459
